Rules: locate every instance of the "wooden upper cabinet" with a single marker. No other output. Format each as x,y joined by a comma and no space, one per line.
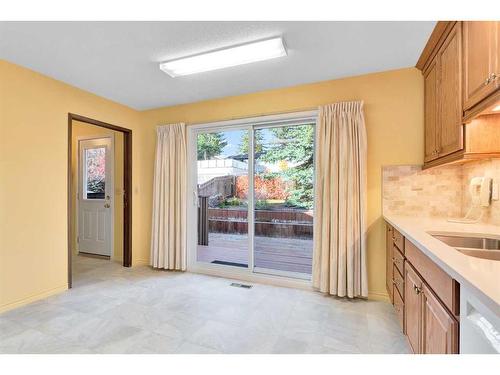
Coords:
496,56
481,60
430,111
461,69
450,128
439,328
444,133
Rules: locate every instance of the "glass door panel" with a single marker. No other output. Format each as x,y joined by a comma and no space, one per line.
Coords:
283,200
94,182
222,171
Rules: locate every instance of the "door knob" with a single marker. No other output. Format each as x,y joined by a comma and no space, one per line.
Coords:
107,205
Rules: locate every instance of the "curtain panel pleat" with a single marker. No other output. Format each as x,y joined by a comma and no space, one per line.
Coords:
339,259
168,237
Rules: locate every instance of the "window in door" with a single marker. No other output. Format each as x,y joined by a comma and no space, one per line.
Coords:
94,183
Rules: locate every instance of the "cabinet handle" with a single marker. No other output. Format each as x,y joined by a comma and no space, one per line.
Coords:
417,289
492,77
487,82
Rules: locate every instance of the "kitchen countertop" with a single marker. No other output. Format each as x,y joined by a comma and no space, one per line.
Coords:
480,276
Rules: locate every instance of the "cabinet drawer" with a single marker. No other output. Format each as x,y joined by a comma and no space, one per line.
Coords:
398,259
399,240
399,283
445,287
399,306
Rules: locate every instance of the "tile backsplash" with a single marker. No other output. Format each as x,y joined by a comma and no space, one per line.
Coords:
437,192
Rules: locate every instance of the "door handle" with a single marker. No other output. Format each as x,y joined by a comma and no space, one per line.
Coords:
107,205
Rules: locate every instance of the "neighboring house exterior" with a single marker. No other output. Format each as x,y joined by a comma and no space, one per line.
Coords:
208,169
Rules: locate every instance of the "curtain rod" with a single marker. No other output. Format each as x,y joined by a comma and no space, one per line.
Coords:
254,115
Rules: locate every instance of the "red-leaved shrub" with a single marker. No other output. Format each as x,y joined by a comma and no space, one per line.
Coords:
265,188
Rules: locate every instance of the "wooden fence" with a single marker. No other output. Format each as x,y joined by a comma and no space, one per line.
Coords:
269,223
221,185
282,215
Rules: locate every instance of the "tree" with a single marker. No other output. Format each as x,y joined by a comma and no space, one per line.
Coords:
258,142
210,145
295,144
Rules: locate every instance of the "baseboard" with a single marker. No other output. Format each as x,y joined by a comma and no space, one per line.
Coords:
33,298
140,262
378,296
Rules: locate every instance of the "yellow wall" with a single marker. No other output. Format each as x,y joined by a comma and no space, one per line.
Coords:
33,153
33,180
84,130
394,121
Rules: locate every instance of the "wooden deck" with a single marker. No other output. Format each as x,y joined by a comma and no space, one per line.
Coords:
281,254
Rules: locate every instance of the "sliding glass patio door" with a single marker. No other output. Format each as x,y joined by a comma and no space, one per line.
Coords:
253,197
283,199
222,212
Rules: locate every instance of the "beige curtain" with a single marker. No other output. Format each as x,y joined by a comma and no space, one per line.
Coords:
339,261
168,238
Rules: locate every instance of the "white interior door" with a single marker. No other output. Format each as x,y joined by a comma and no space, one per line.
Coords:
95,199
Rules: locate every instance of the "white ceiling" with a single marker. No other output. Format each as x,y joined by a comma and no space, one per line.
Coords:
119,60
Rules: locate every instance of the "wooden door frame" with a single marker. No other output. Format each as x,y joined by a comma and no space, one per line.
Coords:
127,184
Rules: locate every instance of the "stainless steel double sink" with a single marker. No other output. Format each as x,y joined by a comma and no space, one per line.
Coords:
475,245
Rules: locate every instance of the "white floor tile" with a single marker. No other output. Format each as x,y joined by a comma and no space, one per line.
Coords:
112,309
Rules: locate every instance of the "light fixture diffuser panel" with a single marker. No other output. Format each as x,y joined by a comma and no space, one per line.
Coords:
225,58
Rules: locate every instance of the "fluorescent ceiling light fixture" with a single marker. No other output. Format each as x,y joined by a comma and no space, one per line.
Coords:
225,58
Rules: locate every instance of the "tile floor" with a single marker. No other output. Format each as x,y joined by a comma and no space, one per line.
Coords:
112,309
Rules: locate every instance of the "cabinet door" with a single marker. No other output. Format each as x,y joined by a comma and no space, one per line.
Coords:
496,55
430,111
388,260
440,329
413,308
479,57
450,129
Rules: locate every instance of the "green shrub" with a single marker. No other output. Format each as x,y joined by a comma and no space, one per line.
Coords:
231,202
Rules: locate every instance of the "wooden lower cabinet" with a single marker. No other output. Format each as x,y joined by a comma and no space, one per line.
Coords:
440,329
424,296
413,308
399,306
429,326
388,260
